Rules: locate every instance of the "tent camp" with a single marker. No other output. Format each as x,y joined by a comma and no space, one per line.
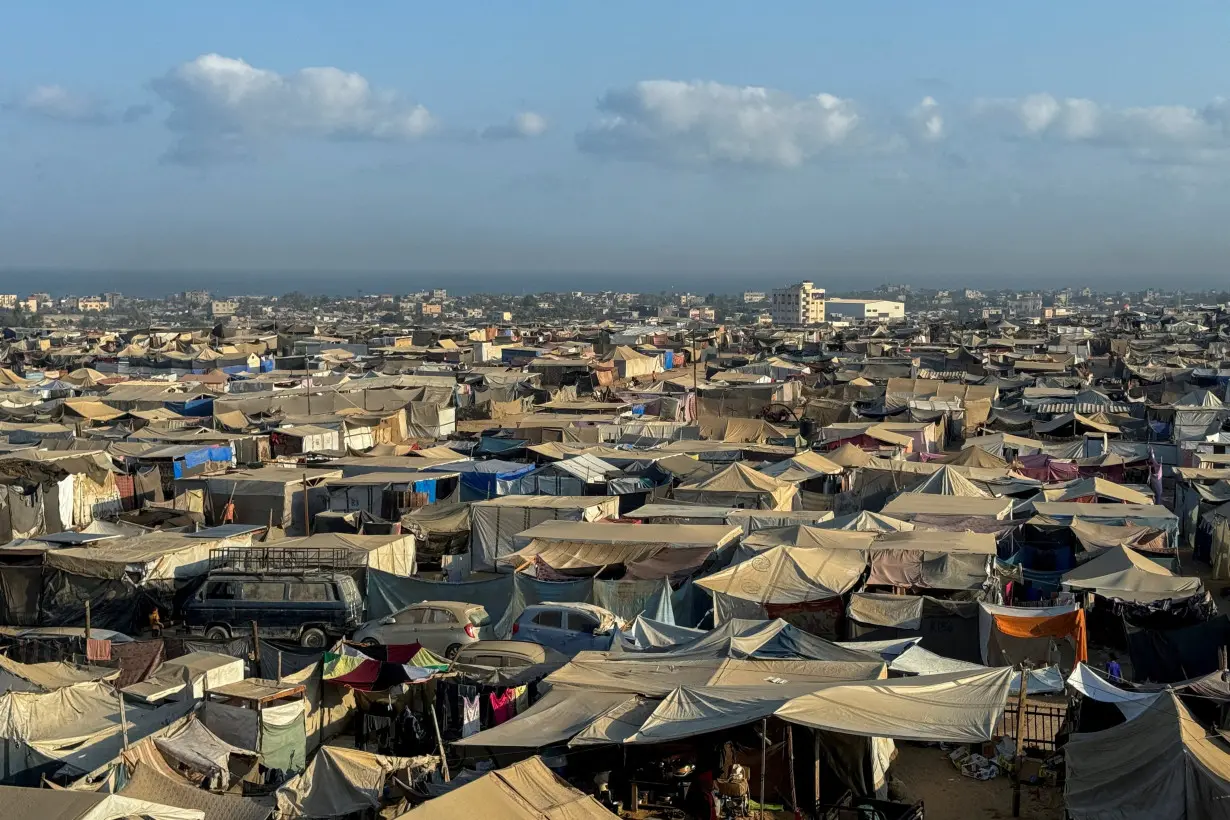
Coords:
1163,763
341,781
740,486
806,536
495,522
1121,572
267,495
909,505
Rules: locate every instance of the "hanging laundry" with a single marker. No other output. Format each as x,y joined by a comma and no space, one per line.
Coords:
97,649
503,706
469,716
521,697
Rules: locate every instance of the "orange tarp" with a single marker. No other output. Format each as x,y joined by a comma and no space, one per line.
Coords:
1057,626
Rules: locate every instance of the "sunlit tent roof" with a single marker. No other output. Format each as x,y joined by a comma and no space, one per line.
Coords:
847,455
64,804
1161,764
908,505
789,575
339,781
523,791
738,481
974,456
1121,572
802,535
947,481
802,467
865,521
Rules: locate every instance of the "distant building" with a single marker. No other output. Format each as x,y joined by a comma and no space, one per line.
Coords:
970,293
43,299
1026,306
93,304
430,309
864,309
30,304
801,304
114,298
222,308
439,293
196,297
8,301
751,297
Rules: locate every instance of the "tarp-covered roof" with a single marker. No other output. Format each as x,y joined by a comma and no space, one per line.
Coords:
790,575
848,455
947,481
341,781
523,791
1161,764
1120,572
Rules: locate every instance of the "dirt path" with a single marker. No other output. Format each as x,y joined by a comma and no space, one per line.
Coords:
926,774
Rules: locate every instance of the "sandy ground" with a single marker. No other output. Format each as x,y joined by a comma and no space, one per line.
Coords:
926,774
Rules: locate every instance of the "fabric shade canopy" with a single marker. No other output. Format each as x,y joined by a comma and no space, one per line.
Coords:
957,707
1120,572
787,575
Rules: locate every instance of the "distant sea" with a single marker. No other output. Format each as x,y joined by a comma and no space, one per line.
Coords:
348,283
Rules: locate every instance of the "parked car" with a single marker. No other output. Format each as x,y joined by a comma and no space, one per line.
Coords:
440,626
507,654
567,628
313,608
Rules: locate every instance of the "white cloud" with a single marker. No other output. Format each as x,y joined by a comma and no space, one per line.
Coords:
928,120
697,123
1175,131
219,105
55,102
524,125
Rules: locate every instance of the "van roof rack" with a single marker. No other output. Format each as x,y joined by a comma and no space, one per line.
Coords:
283,559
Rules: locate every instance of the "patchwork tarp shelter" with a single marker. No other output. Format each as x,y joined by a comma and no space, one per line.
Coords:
740,486
1161,764
388,553
481,480
1012,634
948,628
917,660
341,781
152,785
523,791
495,523
1093,684
1121,572
740,638
63,804
1148,515
269,494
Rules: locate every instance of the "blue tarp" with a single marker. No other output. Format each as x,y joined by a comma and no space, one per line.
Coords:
428,487
196,458
486,479
200,407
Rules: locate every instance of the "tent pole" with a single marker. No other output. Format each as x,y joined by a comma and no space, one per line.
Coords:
435,723
256,647
794,797
764,754
87,628
1019,758
815,734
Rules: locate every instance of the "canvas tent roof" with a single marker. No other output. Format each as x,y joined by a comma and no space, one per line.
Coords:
959,707
912,504
1161,764
947,481
975,456
739,638
847,455
789,575
44,677
523,791
340,781
866,521
65,804
738,478
149,785
805,465
802,535
594,532
1120,572
1084,487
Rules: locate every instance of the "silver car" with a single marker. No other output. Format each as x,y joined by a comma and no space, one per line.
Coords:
440,626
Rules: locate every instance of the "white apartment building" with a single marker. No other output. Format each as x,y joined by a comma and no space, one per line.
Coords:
868,310
801,304
221,308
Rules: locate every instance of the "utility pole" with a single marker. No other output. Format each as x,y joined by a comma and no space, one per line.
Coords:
1019,757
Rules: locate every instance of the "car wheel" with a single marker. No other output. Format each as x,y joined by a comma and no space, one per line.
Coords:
217,633
313,639
452,651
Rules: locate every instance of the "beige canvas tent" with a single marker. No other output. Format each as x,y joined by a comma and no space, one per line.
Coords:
1121,572
523,791
740,486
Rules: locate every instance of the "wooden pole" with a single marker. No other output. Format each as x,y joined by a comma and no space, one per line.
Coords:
794,797
123,717
1019,758
815,734
87,629
279,665
307,519
435,723
764,759
256,647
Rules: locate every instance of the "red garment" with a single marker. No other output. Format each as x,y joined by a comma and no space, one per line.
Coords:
503,706
97,649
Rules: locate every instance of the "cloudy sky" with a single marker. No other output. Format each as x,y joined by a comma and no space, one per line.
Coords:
956,142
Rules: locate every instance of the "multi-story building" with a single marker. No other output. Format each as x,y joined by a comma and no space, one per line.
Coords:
222,308
751,297
864,309
430,309
440,294
8,301
196,297
93,304
801,304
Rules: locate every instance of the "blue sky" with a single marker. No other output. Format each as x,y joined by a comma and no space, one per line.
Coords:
953,142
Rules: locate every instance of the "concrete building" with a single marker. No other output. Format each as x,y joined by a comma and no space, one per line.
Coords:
751,297
221,308
863,309
93,304
801,304
8,301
